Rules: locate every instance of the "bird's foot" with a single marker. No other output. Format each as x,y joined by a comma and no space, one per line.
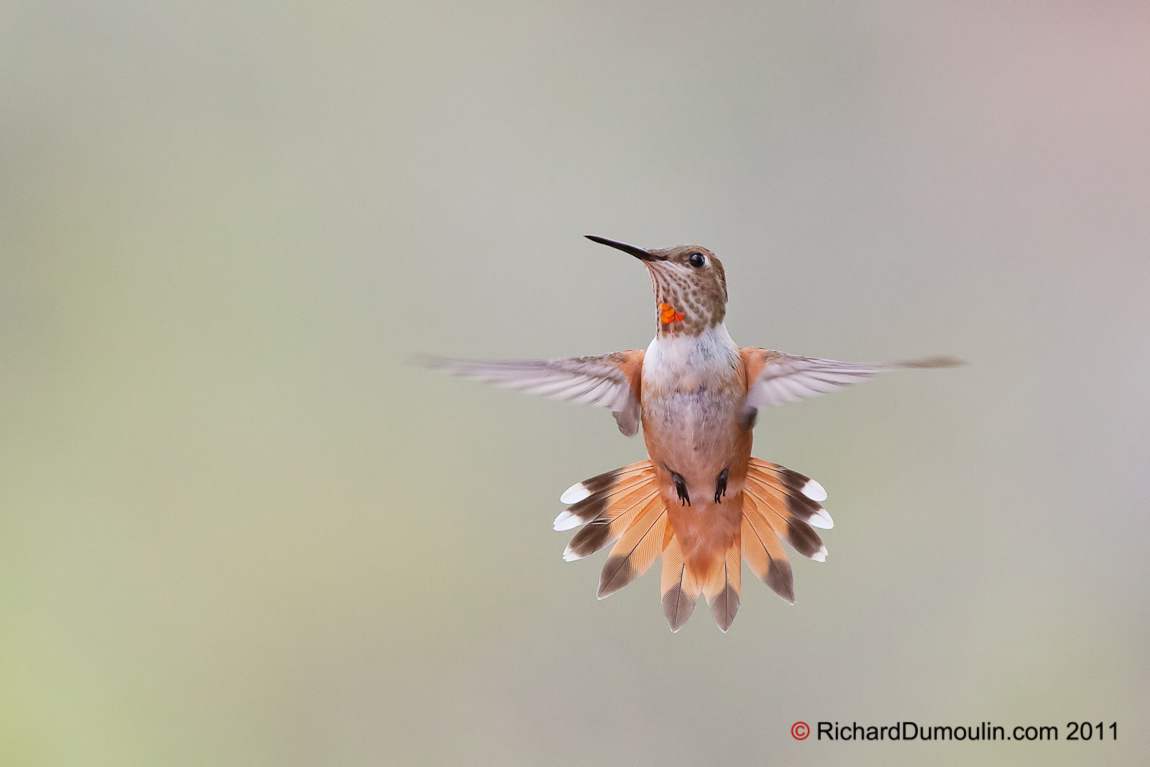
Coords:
721,486
681,489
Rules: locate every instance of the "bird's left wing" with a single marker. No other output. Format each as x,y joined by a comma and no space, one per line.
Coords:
609,380
774,378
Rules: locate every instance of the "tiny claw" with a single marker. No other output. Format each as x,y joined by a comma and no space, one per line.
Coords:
721,486
681,489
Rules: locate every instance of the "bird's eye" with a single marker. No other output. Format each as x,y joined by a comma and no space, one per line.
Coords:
697,260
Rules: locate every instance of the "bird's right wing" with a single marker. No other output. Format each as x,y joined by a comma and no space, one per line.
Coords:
609,380
774,378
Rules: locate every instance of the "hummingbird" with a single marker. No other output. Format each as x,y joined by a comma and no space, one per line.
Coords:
700,500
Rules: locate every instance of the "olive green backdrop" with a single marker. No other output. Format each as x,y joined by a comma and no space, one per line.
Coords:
237,528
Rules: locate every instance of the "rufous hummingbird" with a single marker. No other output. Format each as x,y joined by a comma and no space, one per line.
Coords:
700,500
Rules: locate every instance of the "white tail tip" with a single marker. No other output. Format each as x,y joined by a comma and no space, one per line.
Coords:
569,555
574,494
814,491
821,520
820,555
566,520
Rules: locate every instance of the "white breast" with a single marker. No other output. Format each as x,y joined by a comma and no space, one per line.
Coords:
683,363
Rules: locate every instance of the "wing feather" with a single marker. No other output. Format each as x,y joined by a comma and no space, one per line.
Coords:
775,378
609,380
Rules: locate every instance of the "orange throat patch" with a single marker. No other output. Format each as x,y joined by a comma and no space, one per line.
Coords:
668,315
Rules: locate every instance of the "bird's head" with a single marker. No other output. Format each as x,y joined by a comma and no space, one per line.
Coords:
690,286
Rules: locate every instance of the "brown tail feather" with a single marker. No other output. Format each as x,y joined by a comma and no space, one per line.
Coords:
722,587
606,504
609,525
780,503
765,556
638,548
609,505
679,591
797,494
593,506
799,534
777,494
605,481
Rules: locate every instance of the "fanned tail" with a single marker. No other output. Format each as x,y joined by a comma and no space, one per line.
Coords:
702,547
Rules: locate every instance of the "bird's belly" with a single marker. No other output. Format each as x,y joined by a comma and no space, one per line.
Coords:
696,435
692,392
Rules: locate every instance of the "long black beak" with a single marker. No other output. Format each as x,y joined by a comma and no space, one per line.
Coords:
636,252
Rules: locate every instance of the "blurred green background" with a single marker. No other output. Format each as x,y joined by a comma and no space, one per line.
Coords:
237,528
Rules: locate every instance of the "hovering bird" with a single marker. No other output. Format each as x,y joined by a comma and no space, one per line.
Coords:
700,500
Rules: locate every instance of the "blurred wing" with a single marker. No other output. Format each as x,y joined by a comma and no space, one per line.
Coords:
777,378
609,380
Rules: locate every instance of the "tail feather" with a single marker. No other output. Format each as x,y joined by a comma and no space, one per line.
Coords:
780,503
679,591
799,494
722,587
765,556
604,481
772,491
609,525
638,548
594,505
607,504
799,534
